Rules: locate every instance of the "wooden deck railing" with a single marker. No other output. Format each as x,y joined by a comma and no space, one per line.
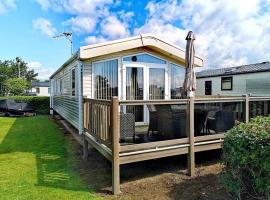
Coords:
102,130
97,120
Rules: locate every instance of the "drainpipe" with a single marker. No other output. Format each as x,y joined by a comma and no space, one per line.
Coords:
80,95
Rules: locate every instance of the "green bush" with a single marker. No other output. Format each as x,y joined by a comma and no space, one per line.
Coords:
39,103
246,159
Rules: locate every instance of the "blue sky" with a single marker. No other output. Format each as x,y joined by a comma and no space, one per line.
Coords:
228,32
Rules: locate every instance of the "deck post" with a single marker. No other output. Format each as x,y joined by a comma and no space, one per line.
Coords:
85,147
247,108
190,134
115,124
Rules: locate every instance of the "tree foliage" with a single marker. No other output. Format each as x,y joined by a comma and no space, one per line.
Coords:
17,68
16,86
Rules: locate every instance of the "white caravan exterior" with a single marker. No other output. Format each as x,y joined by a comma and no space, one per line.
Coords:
136,68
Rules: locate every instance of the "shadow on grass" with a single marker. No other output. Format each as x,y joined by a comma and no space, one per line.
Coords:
40,136
55,164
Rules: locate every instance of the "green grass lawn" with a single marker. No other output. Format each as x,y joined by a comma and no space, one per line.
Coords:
36,161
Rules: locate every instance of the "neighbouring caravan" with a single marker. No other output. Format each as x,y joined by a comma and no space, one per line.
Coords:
250,79
143,67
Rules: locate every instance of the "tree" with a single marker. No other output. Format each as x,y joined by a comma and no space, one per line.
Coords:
15,69
16,86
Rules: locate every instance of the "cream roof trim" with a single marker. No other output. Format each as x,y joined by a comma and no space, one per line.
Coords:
145,40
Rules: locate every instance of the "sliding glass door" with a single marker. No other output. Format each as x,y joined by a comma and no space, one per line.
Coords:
135,90
145,77
156,83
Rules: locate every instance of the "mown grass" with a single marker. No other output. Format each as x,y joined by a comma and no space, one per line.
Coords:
36,161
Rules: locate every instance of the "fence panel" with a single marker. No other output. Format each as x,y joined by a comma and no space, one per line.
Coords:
97,122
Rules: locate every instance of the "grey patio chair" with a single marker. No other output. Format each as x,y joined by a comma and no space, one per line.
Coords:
171,122
127,126
153,119
221,122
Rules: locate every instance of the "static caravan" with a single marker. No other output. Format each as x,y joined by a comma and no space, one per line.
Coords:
250,79
137,68
107,91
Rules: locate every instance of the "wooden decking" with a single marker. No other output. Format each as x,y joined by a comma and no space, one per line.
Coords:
102,131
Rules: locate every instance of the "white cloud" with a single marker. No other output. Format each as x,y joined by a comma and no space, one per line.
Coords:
44,26
86,13
77,7
113,28
43,72
81,24
45,4
94,39
228,32
6,5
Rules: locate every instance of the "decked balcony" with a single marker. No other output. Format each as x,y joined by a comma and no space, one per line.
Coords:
171,127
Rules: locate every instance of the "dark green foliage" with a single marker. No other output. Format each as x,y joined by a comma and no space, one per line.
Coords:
246,159
16,68
40,104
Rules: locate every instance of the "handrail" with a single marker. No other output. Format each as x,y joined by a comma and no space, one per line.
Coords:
180,101
100,101
164,101
259,98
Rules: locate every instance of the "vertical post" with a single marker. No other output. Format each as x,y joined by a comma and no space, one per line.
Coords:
80,95
85,148
85,142
190,133
115,124
247,108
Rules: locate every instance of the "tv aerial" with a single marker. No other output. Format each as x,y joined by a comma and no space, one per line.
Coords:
68,36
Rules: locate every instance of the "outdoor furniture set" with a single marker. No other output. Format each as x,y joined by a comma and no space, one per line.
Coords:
169,121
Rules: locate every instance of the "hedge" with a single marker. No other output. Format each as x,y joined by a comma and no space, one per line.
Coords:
246,159
41,104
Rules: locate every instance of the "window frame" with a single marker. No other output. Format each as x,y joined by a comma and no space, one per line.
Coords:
71,81
118,74
37,90
61,85
208,81
231,80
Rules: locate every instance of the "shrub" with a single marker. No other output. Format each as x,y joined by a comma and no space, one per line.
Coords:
39,103
246,159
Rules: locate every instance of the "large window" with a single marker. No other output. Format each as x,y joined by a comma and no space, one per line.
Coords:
73,82
177,80
145,58
105,79
226,83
